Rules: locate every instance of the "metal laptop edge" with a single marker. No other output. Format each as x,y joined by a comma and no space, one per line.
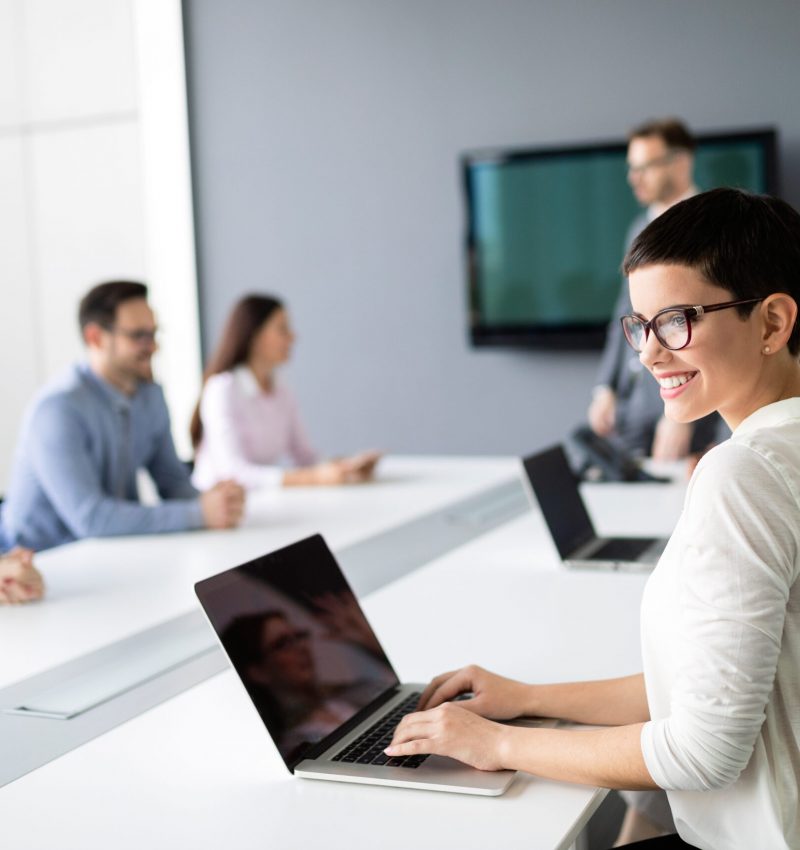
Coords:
578,559
645,563
446,774
450,775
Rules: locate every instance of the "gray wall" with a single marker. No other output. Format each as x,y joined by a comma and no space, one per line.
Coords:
325,141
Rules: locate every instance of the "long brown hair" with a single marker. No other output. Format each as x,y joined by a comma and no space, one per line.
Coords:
245,320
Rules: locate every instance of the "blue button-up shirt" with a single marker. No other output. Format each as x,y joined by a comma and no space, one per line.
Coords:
74,472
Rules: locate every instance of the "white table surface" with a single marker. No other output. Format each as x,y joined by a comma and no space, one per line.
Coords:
102,590
199,771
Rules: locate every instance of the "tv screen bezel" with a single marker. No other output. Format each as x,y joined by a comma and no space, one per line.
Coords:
567,336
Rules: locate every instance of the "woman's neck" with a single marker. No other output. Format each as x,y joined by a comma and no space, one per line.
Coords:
263,373
777,383
789,386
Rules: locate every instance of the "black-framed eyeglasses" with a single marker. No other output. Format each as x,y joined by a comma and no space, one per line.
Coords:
672,325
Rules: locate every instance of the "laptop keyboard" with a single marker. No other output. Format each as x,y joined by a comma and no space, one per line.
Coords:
369,747
623,549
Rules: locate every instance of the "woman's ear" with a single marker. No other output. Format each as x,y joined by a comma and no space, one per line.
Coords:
779,314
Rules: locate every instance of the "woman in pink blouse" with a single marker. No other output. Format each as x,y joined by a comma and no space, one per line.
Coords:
246,425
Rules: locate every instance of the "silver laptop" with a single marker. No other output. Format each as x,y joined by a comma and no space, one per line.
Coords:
317,675
552,485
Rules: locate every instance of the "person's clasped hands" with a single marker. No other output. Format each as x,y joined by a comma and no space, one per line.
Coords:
356,469
223,505
20,581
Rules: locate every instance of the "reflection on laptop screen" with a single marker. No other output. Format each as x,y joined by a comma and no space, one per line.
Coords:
556,490
299,641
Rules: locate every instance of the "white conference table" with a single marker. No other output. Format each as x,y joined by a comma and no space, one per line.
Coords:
199,770
102,590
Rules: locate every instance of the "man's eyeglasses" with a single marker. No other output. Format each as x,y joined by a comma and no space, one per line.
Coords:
672,326
139,337
664,159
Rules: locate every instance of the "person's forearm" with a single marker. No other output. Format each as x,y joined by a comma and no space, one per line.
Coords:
609,758
609,702
303,476
106,517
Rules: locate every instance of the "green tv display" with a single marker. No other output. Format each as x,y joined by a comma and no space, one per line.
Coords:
546,230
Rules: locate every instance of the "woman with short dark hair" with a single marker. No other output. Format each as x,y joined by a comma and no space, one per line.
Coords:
715,718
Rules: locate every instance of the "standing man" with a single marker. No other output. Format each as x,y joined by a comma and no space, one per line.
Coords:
626,404
86,435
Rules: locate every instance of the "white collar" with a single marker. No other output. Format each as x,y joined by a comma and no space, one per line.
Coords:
246,381
769,416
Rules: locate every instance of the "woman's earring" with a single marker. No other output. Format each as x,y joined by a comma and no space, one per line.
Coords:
766,349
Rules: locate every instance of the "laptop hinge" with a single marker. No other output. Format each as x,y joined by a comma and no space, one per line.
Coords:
315,750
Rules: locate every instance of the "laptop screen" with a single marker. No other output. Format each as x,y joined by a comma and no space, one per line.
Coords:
299,641
556,489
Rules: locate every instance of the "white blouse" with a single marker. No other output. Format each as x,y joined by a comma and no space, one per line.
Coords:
248,434
721,643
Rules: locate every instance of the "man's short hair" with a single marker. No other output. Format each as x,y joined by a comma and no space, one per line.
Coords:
671,131
745,243
99,305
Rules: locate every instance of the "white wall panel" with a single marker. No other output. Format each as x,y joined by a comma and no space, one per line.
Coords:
88,219
94,185
10,61
167,194
18,335
79,59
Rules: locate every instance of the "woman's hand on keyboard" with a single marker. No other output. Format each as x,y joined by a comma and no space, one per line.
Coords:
450,730
492,695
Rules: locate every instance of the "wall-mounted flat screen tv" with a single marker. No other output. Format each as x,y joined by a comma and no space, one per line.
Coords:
546,230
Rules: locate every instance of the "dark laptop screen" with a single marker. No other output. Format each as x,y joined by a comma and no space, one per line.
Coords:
556,490
299,641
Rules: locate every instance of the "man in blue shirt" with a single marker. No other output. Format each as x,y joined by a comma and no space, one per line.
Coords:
86,435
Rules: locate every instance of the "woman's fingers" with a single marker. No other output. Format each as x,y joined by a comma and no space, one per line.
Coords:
461,683
449,730
432,687
414,747
412,729
450,685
